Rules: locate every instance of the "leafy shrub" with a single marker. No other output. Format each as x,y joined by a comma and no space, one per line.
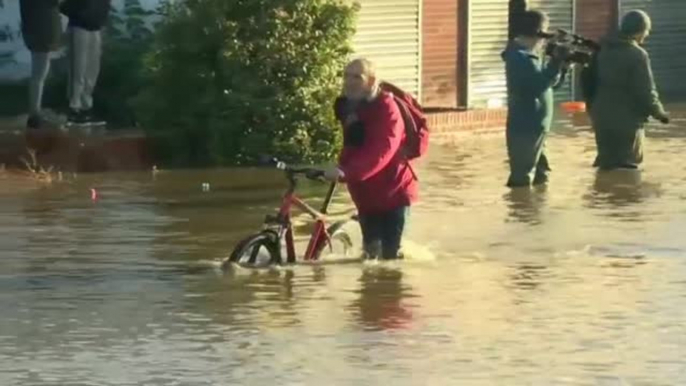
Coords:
232,79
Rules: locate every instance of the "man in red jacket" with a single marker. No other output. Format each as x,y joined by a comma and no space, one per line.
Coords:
379,177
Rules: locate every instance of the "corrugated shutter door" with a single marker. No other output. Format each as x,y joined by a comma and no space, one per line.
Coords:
561,14
388,33
666,43
487,36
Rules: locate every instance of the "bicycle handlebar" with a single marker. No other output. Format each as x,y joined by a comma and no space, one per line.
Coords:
310,173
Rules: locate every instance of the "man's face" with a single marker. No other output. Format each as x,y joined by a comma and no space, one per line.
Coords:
541,41
356,84
643,36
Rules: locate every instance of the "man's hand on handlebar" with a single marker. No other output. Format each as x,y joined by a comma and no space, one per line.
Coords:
315,174
334,174
330,174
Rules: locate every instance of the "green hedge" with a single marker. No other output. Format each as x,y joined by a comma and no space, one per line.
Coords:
232,79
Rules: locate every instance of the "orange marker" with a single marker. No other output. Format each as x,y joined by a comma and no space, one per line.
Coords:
573,107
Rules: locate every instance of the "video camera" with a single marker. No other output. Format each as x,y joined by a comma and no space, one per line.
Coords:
581,49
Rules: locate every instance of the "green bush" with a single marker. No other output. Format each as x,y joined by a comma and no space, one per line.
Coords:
233,79
128,37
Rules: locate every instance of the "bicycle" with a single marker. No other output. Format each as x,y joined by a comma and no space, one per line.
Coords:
264,248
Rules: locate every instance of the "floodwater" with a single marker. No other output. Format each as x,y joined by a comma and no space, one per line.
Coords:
580,283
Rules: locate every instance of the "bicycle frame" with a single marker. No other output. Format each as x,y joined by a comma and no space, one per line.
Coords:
318,235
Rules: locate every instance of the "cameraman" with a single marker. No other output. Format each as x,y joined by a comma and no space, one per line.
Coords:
530,98
626,95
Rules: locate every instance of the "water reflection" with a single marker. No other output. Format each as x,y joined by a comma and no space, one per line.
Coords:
525,204
617,188
382,296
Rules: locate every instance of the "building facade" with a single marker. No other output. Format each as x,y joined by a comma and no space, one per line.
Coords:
447,52
462,40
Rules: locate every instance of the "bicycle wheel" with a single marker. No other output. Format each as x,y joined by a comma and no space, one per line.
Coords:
344,242
256,251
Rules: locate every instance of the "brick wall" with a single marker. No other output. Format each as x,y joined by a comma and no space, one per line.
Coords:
450,125
439,53
596,18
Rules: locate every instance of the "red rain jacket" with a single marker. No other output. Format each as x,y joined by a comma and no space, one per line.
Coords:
379,177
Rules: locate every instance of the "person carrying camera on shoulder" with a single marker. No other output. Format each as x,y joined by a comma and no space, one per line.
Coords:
625,96
530,83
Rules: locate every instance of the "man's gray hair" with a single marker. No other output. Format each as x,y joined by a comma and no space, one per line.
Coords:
368,67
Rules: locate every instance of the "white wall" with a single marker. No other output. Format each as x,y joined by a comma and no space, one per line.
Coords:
14,58
15,62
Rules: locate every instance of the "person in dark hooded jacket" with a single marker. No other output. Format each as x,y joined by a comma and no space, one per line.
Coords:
530,99
41,28
626,95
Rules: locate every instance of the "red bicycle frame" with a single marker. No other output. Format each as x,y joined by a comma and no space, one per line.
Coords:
319,234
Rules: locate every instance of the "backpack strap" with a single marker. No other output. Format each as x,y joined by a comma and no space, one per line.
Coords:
409,124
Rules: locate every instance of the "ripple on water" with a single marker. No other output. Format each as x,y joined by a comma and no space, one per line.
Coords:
579,283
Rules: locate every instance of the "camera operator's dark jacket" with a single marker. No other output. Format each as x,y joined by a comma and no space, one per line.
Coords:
90,15
41,26
626,97
530,85
530,113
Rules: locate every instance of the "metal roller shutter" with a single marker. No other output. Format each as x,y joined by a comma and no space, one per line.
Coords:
666,43
487,38
389,34
594,18
561,13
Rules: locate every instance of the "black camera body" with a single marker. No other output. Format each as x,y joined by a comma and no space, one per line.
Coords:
581,49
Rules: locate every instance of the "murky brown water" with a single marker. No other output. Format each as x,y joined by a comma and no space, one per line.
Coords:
582,283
